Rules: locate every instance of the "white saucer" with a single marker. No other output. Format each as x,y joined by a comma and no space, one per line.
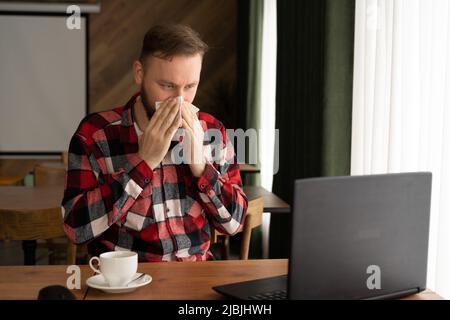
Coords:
98,282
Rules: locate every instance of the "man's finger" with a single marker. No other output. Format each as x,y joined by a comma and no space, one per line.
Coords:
165,110
174,125
156,115
170,117
187,116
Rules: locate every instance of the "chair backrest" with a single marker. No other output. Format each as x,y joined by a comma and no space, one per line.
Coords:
65,157
41,224
253,219
46,176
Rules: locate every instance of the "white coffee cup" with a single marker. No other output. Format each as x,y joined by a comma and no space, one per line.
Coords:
117,267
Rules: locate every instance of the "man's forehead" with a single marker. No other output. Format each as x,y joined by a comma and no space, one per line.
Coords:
175,82
178,61
179,70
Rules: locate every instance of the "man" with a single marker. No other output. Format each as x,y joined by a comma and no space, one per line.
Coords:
124,191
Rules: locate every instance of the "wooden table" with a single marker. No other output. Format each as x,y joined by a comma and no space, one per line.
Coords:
24,282
27,200
11,180
272,203
248,168
15,170
174,280
24,198
194,280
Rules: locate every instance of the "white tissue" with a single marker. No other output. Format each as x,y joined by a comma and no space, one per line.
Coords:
179,131
180,100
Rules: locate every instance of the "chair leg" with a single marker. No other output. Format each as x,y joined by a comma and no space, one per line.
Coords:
225,247
71,253
29,252
245,244
82,251
52,251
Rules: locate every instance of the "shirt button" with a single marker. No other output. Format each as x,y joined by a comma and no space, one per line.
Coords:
146,180
202,186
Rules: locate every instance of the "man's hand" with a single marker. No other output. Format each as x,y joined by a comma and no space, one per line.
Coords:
193,140
155,141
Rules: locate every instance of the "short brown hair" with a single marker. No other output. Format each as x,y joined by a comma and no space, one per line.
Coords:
167,40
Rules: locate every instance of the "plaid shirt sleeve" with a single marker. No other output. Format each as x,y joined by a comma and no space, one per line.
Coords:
93,201
220,186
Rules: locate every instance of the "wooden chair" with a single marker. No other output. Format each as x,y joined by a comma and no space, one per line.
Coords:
252,220
46,176
42,224
65,158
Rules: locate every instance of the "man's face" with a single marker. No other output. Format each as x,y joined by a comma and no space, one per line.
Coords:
161,79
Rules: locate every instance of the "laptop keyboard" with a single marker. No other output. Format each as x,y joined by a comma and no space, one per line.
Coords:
273,295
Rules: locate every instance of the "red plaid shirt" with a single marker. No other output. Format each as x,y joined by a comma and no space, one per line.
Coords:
114,201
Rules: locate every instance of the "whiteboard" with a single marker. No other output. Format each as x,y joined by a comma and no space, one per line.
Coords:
43,82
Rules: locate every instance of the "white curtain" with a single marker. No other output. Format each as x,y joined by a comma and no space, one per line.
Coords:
267,136
268,89
401,105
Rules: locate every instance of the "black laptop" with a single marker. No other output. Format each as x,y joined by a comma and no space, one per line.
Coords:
354,237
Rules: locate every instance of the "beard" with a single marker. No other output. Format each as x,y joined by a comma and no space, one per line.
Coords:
149,110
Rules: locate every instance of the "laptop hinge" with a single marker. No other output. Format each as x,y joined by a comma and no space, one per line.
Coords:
395,295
